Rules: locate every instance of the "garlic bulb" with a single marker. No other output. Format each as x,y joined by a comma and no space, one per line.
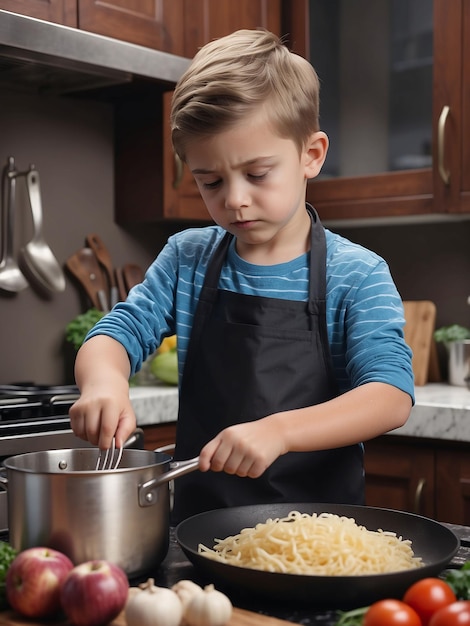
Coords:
186,590
153,606
209,608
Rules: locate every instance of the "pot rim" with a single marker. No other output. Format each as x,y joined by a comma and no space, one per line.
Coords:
9,462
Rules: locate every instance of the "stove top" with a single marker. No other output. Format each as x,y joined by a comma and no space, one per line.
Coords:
27,407
31,390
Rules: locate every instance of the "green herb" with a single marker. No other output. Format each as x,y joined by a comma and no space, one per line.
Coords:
78,328
448,334
7,554
352,618
459,580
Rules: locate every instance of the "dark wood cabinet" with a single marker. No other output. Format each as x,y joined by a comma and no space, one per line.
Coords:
57,11
159,435
156,24
177,26
205,20
453,486
400,476
426,477
442,188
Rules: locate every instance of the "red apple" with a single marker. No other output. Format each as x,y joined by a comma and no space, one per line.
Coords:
94,593
34,579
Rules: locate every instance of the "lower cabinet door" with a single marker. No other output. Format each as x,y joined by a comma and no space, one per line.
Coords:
400,476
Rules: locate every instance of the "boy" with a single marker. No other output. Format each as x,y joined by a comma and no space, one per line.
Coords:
290,338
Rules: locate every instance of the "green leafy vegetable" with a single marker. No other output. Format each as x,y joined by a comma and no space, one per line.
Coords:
352,618
77,329
459,580
455,332
7,554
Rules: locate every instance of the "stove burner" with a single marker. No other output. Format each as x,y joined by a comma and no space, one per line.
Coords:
28,389
26,407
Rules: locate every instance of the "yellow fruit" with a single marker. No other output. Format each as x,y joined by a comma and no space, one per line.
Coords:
169,343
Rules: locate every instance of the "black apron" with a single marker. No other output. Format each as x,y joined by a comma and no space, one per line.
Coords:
249,357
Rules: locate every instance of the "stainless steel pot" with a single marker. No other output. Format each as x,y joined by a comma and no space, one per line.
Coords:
57,499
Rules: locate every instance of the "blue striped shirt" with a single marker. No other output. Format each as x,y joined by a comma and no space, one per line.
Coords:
365,316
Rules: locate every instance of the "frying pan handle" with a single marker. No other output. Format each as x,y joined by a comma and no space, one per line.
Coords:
148,491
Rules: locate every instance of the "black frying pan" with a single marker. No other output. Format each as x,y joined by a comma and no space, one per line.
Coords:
431,541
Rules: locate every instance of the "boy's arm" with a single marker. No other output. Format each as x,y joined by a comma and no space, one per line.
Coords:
360,414
103,410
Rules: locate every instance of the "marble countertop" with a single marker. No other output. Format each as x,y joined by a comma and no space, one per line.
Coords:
154,404
441,411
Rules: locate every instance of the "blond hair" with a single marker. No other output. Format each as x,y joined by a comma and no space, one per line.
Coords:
231,77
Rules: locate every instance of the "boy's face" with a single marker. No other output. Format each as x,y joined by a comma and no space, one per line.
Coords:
253,183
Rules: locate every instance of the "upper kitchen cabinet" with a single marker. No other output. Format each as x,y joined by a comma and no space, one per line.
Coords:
177,26
395,85
151,23
58,11
452,106
205,20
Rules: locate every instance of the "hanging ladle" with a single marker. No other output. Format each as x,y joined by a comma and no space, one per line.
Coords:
37,255
11,277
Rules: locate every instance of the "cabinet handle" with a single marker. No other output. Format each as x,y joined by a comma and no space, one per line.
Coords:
179,170
441,131
419,495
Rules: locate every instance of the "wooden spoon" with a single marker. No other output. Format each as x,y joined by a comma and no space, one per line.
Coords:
133,275
104,258
120,283
86,269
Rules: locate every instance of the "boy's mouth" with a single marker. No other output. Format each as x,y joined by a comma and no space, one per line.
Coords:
244,223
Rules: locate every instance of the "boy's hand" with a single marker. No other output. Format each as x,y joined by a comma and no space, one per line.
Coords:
98,416
244,449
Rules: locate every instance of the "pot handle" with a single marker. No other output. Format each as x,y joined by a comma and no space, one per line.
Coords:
3,479
148,490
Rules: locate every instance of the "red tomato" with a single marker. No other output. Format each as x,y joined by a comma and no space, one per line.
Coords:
428,596
455,614
391,613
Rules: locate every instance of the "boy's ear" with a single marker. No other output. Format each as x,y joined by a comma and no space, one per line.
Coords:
315,150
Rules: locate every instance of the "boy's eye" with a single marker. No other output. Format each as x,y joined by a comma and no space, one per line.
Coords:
257,177
211,185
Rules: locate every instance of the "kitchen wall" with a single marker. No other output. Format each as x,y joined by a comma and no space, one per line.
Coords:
71,144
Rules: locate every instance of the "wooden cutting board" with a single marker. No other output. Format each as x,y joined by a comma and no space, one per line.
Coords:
420,316
240,617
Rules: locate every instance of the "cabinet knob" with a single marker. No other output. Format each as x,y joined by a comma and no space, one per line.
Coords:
441,132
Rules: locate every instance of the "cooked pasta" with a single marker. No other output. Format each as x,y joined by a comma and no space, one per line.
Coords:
319,544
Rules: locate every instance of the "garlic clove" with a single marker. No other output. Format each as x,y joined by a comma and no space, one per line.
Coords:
209,608
186,590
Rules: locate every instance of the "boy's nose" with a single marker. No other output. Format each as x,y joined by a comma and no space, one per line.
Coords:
237,196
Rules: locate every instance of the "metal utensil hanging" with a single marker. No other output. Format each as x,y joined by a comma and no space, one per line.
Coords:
11,277
37,255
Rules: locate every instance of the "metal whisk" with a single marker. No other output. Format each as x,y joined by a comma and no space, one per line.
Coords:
112,458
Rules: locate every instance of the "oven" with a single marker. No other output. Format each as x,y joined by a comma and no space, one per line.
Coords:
34,418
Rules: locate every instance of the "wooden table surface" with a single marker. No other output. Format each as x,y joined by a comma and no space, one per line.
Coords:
239,617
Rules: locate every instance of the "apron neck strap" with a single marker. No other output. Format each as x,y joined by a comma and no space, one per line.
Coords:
317,289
